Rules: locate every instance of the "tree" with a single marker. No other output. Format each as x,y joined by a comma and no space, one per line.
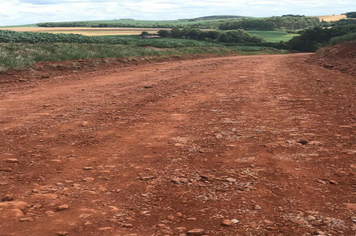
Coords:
164,33
175,32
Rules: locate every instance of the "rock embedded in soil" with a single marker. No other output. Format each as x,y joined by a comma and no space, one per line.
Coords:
62,207
333,182
127,225
5,169
27,219
62,233
231,180
106,228
196,232
12,160
227,223
7,198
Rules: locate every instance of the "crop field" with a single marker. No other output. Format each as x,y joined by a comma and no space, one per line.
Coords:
86,30
331,18
273,36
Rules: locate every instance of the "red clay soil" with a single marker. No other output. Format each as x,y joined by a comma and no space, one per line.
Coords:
339,57
252,145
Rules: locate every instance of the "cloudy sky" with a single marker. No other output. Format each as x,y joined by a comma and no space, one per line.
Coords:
15,12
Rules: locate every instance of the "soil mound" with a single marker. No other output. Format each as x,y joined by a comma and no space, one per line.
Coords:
340,57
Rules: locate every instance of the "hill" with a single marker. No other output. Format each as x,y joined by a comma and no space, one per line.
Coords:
218,17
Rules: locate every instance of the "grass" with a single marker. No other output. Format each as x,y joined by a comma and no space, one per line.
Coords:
273,36
19,55
256,50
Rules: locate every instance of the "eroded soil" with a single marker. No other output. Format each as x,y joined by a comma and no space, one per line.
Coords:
252,145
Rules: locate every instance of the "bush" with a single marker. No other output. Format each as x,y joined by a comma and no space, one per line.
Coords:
238,36
342,39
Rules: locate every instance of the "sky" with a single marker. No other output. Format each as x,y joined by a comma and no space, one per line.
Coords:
18,12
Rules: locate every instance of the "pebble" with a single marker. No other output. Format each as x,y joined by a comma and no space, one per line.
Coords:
179,214
257,207
62,233
127,225
27,219
235,221
106,228
181,229
62,207
353,219
196,232
12,160
231,180
333,182
311,218
50,213
88,168
227,223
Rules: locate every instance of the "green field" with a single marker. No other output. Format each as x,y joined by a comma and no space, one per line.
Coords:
273,36
21,49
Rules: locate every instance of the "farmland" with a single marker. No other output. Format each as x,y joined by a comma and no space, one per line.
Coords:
330,18
85,30
269,36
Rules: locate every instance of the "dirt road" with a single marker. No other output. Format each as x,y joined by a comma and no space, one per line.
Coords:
252,145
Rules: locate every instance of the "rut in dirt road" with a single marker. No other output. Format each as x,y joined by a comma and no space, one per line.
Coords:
253,145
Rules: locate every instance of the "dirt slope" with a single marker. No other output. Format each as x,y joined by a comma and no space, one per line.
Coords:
339,57
254,145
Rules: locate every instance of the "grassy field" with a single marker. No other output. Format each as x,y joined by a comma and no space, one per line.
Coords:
20,55
21,49
273,36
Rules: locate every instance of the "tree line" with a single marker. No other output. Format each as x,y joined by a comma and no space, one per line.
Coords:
287,22
230,36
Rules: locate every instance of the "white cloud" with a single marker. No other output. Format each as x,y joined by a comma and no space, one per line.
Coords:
33,11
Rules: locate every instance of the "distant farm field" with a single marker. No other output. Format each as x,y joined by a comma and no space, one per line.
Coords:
331,18
87,31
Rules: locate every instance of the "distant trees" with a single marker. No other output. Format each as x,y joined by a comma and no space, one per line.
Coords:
351,14
230,36
288,22
343,22
311,40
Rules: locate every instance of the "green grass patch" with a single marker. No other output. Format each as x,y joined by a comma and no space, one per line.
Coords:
273,36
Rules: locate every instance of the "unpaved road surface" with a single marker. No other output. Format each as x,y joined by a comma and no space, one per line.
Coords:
253,145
